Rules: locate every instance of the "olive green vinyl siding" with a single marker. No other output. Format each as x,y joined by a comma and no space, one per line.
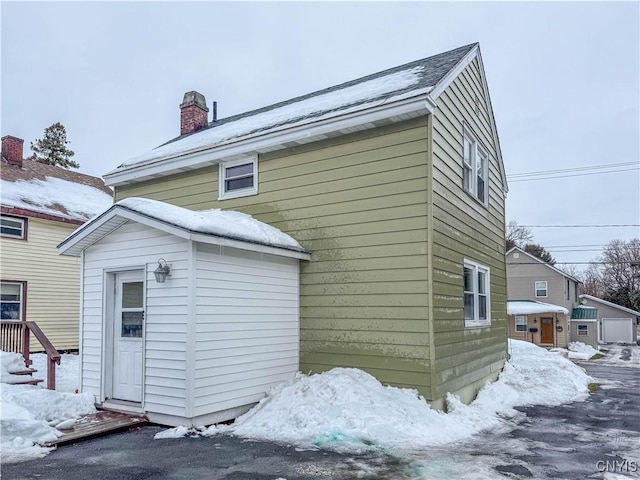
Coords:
358,203
463,228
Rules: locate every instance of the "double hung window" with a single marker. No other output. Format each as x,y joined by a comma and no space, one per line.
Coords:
11,300
477,300
475,169
541,289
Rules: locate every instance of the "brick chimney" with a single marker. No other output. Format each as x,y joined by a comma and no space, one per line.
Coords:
12,150
193,112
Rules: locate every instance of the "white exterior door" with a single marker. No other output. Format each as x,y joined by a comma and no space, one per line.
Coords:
128,327
617,330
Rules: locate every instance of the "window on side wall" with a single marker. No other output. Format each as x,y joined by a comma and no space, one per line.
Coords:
475,169
13,227
11,301
477,299
521,323
238,178
541,289
583,330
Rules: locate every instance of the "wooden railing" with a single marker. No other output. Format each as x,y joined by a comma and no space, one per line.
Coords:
16,337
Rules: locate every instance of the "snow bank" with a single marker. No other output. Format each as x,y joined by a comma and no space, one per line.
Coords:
580,351
346,409
9,364
78,201
31,415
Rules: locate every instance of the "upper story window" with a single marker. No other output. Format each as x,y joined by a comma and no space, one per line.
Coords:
11,300
13,227
477,300
475,169
541,289
238,178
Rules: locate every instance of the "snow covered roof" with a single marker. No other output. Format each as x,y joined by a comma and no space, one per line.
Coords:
222,227
38,189
531,307
395,94
609,304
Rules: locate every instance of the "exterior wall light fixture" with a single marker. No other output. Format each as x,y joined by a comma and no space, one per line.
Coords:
163,271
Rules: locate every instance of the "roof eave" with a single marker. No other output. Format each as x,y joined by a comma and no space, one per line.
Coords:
117,215
273,140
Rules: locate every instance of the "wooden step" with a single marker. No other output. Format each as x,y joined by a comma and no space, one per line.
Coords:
28,371
28,381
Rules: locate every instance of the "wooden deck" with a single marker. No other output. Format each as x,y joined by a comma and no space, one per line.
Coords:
101,423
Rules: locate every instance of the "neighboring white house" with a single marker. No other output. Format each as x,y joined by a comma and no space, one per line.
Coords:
616,324
207,341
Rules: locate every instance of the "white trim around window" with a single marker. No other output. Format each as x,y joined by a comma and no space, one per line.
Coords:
238,178
13,227
541,289
475,168
522,323
477,294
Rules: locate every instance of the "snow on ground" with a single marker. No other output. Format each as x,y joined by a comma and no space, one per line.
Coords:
348,410
580,351
67,373
30,414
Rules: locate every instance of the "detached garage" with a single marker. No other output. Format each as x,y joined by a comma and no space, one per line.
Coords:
188,317
616,324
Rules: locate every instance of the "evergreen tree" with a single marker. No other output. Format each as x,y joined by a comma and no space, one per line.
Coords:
52,148
540,252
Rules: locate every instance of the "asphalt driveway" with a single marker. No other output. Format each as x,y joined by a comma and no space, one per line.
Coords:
582,440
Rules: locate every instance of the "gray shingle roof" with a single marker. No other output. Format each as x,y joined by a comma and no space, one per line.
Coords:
431,71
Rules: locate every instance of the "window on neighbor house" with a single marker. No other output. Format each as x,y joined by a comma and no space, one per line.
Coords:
541,289
583,330
11,300
521,323
13,227
238,178
475,169
477,304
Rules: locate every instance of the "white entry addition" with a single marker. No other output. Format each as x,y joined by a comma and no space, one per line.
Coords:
128,326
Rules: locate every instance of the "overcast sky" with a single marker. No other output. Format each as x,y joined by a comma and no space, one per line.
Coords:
563,79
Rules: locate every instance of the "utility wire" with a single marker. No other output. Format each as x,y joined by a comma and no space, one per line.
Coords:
584,226
575,169
570,175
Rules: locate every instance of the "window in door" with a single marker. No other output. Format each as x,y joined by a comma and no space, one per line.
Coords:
132,309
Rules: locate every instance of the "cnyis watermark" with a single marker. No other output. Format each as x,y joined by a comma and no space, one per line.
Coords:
618,466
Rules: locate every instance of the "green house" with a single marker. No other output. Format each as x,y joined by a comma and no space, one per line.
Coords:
395,184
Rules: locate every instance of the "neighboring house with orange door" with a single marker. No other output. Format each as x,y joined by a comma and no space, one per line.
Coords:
541,298
41,206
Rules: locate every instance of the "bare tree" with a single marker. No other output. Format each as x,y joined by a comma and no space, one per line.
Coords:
615,276
517,235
